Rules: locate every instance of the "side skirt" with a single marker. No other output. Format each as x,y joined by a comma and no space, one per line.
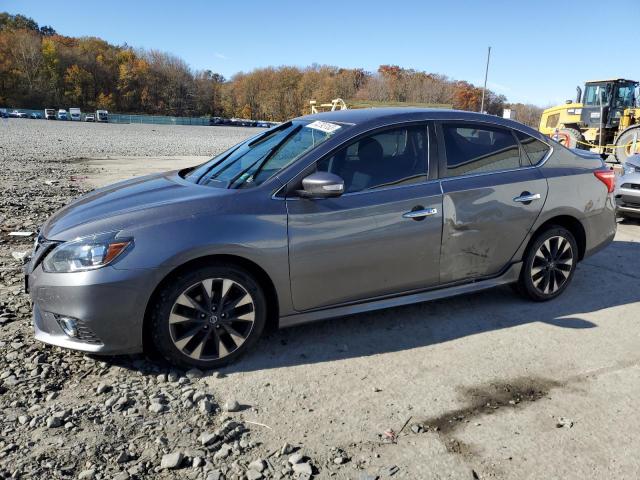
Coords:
509,276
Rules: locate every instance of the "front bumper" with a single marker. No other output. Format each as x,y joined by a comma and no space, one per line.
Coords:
628,199
108,303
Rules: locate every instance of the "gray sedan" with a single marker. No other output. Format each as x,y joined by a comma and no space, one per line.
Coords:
628,188
323,216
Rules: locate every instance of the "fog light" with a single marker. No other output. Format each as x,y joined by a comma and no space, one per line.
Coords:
69,325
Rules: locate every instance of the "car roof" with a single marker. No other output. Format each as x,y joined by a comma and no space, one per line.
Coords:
377,116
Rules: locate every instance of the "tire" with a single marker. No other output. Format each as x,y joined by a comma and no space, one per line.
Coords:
624,144
549,264
574,138
191,329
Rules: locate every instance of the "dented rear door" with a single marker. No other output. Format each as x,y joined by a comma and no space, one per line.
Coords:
485,219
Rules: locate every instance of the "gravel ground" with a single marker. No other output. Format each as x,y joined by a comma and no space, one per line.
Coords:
39,139
480,386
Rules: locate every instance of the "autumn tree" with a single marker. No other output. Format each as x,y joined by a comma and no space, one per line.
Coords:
78,86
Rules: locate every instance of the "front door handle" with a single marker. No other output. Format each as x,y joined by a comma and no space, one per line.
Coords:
526,197
420,214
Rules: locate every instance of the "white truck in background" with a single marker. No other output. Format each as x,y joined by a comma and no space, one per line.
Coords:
75,114
49,113
102,116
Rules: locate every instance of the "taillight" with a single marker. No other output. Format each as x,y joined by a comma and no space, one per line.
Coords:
608,177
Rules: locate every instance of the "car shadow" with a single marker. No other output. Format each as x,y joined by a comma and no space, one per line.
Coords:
596,286
599,283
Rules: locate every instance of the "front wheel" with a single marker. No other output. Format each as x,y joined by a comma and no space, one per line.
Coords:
208,317
549,264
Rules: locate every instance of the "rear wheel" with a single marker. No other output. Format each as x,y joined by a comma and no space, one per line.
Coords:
625,145
209,317
549,264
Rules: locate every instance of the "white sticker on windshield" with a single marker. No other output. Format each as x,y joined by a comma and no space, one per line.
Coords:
325,127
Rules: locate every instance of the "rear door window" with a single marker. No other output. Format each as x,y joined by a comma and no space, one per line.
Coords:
534,149
473,149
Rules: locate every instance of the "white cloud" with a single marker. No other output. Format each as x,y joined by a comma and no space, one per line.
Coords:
220,56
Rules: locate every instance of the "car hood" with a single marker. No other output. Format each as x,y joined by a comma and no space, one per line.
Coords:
131,203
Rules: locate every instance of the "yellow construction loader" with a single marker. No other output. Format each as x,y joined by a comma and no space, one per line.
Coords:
604,119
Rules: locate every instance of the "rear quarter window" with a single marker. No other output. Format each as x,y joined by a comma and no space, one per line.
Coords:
534,149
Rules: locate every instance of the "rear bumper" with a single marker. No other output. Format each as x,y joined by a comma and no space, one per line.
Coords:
108,304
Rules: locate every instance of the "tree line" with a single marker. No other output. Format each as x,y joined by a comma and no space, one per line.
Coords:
40,68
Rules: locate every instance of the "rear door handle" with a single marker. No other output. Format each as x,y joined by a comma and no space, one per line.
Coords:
420,214
527,197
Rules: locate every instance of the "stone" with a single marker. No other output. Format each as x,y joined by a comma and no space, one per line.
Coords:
205,406
54,422
302,468
295,458
193,373
87,475
257,465
171,461
157,407
231,406
223,452
214,475
102,388
208,438
123,457
253,475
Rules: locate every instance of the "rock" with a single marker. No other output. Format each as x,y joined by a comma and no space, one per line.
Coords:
87,475
162,378
231,406
157,408
253,475
102,388
19,256
295,458
171,461
54,422
193,373
339,460
286,449
214,475
417,428
302,468
123,457
207,438
223,452
258,465
564,422
121,476
205,406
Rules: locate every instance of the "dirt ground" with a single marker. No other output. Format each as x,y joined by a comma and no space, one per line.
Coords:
502,387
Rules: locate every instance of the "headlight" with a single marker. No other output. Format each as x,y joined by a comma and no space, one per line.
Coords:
87,253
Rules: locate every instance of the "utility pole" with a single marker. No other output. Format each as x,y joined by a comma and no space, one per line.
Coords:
486,74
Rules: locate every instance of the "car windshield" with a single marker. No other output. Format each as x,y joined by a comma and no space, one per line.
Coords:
251,163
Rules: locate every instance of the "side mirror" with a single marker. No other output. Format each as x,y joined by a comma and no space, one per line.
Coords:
321,185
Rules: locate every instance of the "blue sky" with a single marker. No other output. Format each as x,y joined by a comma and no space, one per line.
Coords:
540,49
